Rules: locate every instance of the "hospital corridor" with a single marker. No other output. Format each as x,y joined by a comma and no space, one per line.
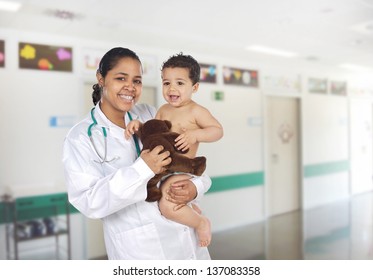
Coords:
337,231
290,82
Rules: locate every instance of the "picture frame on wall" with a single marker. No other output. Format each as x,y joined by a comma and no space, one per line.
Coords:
2,53
338,88
208,73
45,57
317,85
240,77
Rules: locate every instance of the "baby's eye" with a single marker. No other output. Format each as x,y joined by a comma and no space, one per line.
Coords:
166,83
180,83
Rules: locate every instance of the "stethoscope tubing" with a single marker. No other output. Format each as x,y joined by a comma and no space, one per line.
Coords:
104,158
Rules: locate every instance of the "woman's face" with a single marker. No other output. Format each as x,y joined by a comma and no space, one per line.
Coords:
122,87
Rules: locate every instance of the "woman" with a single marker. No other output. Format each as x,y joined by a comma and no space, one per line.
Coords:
106,174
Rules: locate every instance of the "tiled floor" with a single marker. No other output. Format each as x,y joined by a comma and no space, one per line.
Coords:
338,231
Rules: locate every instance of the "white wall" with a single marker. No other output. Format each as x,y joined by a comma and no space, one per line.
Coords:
325,141
361,145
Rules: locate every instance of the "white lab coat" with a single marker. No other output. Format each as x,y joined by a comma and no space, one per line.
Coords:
115,192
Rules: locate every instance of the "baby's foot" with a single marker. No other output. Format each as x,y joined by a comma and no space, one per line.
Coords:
204,232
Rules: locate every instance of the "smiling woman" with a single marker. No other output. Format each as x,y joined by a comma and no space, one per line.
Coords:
106,177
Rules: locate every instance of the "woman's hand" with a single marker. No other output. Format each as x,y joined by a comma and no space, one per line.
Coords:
181,192
156,159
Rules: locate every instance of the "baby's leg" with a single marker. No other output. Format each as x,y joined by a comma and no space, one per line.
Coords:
185,215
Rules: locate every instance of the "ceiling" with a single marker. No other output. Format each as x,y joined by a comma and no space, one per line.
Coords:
327,32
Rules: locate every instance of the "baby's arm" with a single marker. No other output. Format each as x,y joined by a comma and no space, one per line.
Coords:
210,130
131,128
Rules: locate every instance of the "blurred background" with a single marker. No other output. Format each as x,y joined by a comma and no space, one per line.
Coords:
291,81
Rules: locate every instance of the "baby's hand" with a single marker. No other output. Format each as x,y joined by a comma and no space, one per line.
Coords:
184,140
131,128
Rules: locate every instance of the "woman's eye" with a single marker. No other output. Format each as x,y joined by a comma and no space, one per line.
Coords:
138,82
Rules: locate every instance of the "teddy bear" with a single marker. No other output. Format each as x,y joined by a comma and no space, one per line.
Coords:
156,132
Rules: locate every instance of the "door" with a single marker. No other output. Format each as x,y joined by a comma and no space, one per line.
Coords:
283,164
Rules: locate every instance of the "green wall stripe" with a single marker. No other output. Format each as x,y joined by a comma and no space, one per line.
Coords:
47,205
36,207
2,213
237,181
326,168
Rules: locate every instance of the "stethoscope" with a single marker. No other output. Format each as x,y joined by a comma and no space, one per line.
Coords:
104,158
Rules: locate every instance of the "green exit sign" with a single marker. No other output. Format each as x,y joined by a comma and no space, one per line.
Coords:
218,95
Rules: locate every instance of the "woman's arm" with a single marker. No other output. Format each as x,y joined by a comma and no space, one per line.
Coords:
97,195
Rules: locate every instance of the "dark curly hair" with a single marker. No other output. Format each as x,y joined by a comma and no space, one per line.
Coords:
108,62
184,61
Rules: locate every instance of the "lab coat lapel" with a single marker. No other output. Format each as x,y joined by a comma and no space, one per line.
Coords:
114,130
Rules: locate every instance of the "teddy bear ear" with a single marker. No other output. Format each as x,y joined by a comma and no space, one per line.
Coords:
168,123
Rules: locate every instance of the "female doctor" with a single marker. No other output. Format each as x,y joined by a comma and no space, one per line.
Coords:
106,175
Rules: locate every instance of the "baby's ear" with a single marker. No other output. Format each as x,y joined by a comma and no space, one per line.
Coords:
168,123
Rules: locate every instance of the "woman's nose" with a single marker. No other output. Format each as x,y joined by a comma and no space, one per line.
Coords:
130,86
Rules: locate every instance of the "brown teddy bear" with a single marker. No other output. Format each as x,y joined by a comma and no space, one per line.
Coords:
157,132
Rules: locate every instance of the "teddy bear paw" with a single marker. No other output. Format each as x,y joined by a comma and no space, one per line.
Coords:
199,165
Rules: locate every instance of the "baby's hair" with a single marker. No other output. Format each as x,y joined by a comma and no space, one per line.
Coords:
184,61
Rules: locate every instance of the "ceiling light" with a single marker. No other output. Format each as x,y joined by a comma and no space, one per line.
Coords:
356,67
271,51
9,6
63,14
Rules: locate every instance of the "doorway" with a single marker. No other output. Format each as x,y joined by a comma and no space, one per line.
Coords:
283,157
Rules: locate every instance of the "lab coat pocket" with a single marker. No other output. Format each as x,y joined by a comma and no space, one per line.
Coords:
141,243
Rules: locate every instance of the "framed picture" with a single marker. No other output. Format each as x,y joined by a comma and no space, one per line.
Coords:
338,88
240,77
208,73
45,57
2,54
316,85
